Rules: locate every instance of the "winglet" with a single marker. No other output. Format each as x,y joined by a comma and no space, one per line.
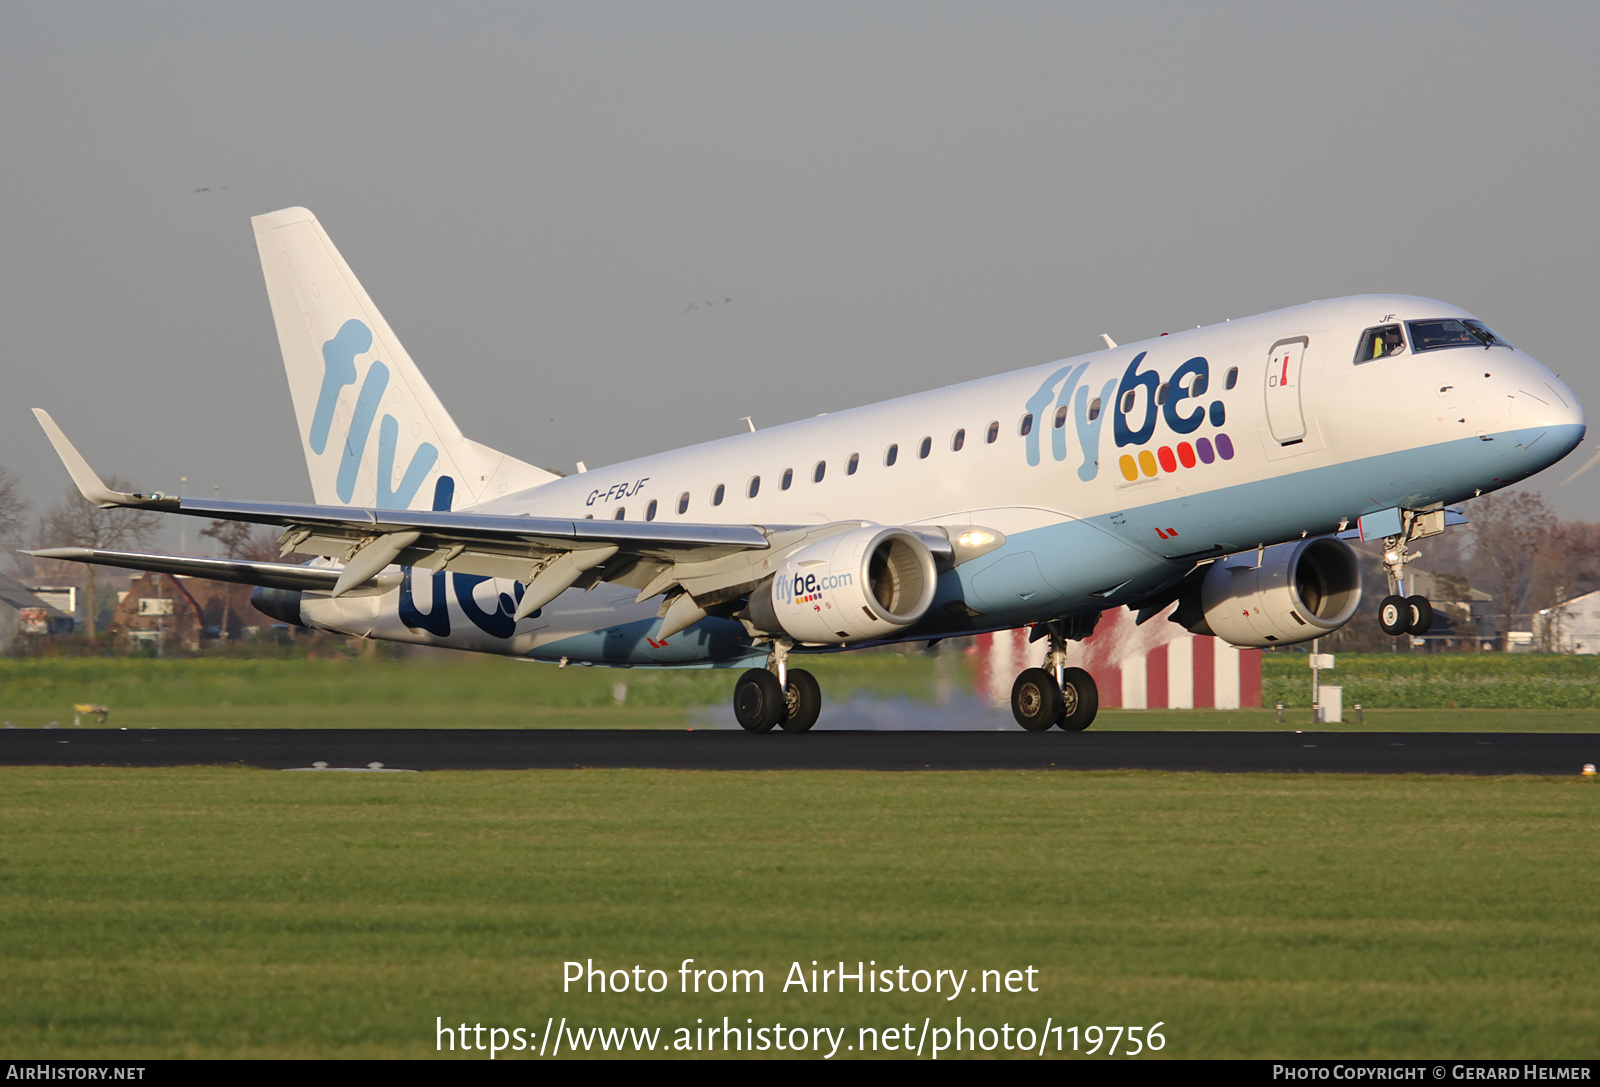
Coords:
87,479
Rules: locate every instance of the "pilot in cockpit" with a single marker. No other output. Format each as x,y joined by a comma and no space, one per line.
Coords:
1380,343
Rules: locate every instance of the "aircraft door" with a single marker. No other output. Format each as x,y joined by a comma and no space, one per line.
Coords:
1284,415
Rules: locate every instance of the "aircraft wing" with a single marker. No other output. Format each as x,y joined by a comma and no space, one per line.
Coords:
273,575
695,566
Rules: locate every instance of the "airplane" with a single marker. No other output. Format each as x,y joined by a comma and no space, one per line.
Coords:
1221,469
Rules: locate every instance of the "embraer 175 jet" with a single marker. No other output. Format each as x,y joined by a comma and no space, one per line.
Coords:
1219,469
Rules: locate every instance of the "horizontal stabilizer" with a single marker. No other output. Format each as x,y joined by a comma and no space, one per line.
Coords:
272,575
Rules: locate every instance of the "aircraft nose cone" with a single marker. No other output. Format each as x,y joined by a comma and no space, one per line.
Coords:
1548,403
1546,416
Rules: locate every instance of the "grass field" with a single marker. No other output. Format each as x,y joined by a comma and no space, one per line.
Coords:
1441,681
232,912
1406,693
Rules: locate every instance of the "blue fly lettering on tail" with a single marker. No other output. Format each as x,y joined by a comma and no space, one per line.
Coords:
339,370
421,461
355,443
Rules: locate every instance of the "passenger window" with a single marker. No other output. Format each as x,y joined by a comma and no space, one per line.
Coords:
1026,426
1161,394
716,495
959,440
1061,416
1197,385
890,455
620,512
683,503
820,471
755,487
1233,378
650,511
1380,343
783,484
1127,402
1094,409
994,432
925,448
854,463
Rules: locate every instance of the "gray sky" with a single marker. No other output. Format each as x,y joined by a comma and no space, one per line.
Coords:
893,196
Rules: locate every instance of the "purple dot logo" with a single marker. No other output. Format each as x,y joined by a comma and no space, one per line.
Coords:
1224,447
1203,447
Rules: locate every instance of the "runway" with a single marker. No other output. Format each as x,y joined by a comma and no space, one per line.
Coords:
495,749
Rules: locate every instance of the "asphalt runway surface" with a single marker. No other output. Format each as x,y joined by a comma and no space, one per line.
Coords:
506,749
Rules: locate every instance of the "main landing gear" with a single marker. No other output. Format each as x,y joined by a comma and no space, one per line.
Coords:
1055,695
777,695
1398,613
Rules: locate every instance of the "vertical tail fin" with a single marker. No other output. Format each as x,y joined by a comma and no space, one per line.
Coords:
373,431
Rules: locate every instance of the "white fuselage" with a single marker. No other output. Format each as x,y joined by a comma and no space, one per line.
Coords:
1109,476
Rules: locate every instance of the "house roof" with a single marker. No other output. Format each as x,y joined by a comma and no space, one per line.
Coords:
1586,600
15,594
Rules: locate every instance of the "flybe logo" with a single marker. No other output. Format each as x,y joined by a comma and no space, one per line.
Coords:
339,370
807,588
1143,398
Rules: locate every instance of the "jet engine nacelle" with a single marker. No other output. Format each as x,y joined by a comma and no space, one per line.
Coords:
866,583
1299,591
280,604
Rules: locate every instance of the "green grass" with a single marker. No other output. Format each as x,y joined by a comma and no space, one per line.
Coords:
439,691
1400,693
231,912
1441,681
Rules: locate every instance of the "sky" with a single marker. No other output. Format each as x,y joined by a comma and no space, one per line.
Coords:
604,230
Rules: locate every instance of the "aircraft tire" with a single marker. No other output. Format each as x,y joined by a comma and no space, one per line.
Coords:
1394,615
1080,700
802,701
758,700
1420,614
1036,700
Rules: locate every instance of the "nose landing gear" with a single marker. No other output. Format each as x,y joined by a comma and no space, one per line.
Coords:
1398,613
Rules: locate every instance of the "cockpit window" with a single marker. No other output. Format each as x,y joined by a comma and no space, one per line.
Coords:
1452,332
1380,343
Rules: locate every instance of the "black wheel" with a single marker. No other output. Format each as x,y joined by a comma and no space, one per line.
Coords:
1394,615
758,700
1036,700
1080,700
1420,614
802,701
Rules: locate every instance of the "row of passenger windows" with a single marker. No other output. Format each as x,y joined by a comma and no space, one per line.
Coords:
1196,385
924,450
958,441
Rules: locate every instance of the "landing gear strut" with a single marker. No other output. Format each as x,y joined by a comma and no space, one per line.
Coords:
1055,695
1398,613
777,695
